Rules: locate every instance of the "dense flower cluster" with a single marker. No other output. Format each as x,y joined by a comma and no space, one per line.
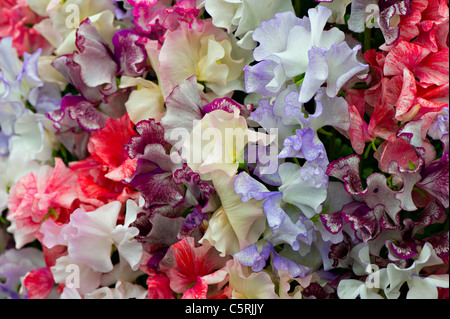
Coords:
216,149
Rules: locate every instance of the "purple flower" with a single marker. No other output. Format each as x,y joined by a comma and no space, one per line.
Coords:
304,187
256,256
130,53
75,121
153,174
294,50
19,82
271,114
284,227
439,128
168,187
194,225
435,180
305,144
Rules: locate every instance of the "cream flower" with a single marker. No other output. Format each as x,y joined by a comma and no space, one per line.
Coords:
338,7
64,17
235,225
208,54
216,143
249,285
145,102
47,73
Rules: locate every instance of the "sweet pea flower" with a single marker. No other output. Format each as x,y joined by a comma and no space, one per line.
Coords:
17,20
14,264
321,57
235,225
427,24
222,136
389,15
121,290
391,278
145,101
243,16
206,52
38,284
123,237
62,18
50,191
79,281
18,80
155,18
65,271
245,284
419,287
189,267
368,289
13,167
304,187
97,229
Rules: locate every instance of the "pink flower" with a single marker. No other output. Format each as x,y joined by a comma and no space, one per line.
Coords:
155,17
17,21
431,68
158,286
427,24
191,269
48,192
39,283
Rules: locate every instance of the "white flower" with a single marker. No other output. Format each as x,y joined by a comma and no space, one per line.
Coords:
243,16
392,278
121,290
98,231
351,288
419,287
123,237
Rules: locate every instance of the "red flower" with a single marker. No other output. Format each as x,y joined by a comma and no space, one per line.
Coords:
100,175
185,265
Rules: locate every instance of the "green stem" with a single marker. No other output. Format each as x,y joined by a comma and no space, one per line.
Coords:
374,147
332,144
366,153
322,131
367,39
